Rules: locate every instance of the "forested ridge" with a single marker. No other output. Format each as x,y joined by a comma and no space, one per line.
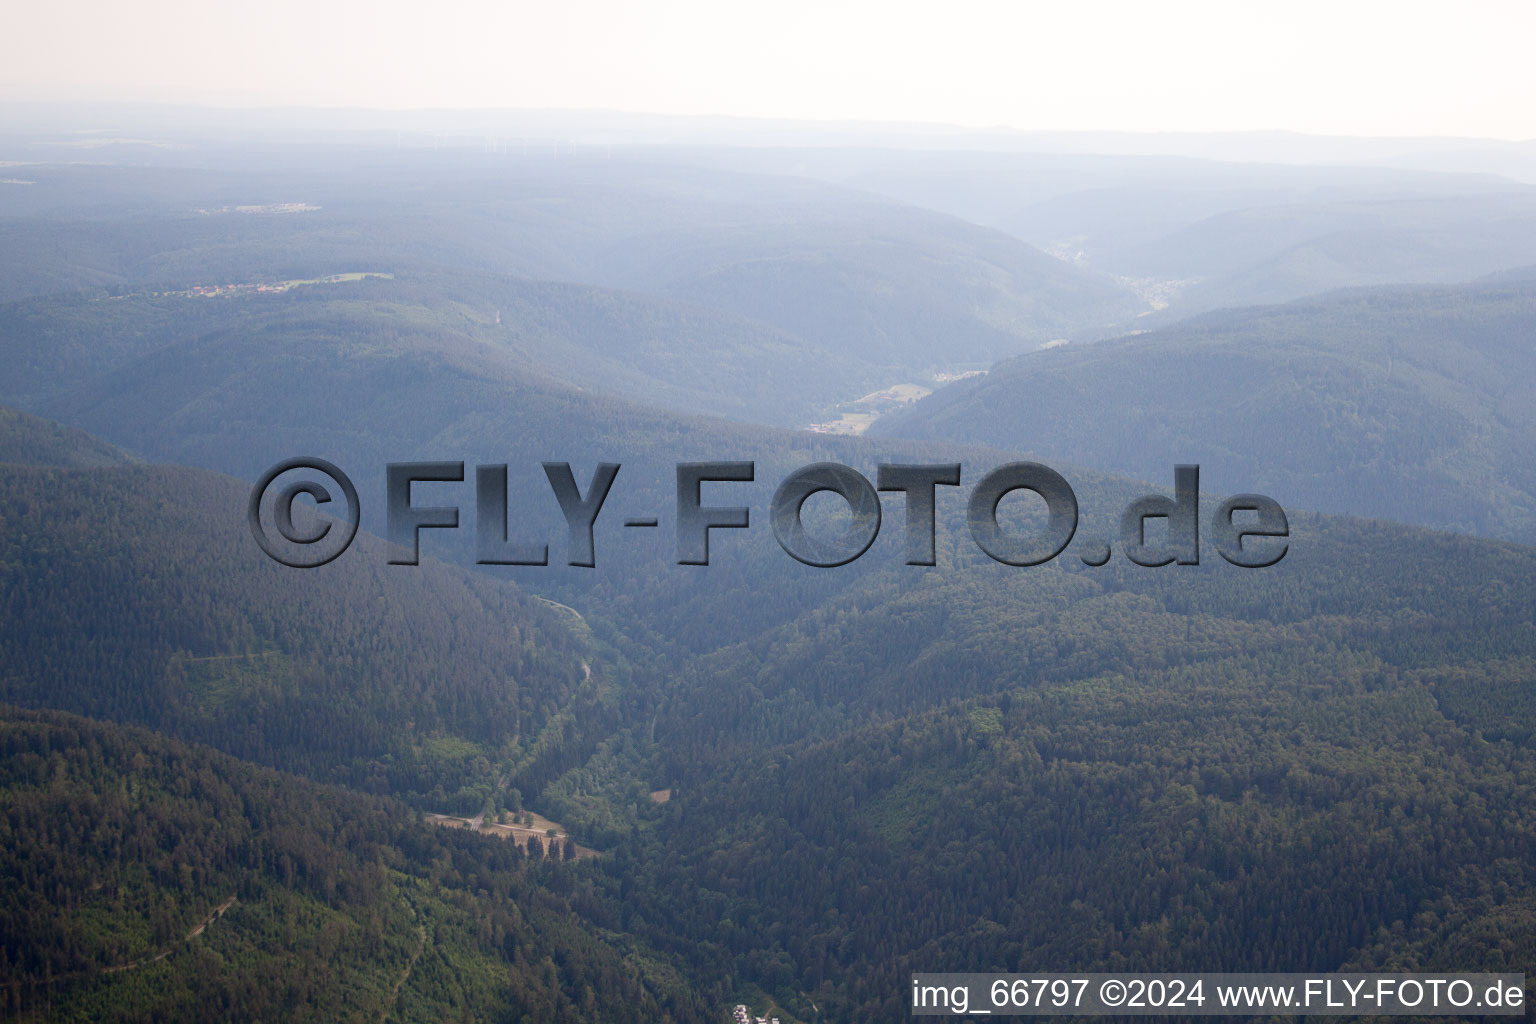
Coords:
1404,403
151,879
138,595
34,441
1241,815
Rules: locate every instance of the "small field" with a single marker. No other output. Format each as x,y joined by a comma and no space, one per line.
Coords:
856,416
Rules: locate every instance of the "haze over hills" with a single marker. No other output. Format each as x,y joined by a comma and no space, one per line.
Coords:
802,238
207,137
791,786
1405,403
1274,253
892,289
1197,234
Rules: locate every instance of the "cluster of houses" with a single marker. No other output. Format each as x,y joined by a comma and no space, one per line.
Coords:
262,208
273,286
742,1016
226,289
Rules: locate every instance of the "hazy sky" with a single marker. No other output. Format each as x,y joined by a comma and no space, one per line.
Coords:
1373,67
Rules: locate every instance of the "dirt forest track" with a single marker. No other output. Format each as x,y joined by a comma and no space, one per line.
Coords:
192,933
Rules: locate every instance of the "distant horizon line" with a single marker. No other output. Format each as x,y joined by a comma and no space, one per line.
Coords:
760,120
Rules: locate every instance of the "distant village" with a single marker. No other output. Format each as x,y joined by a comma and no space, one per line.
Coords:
270,287
262,208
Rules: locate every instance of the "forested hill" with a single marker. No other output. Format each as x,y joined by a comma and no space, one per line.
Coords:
654,349
138,594
1407,403
1282,809
147,879
32,440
